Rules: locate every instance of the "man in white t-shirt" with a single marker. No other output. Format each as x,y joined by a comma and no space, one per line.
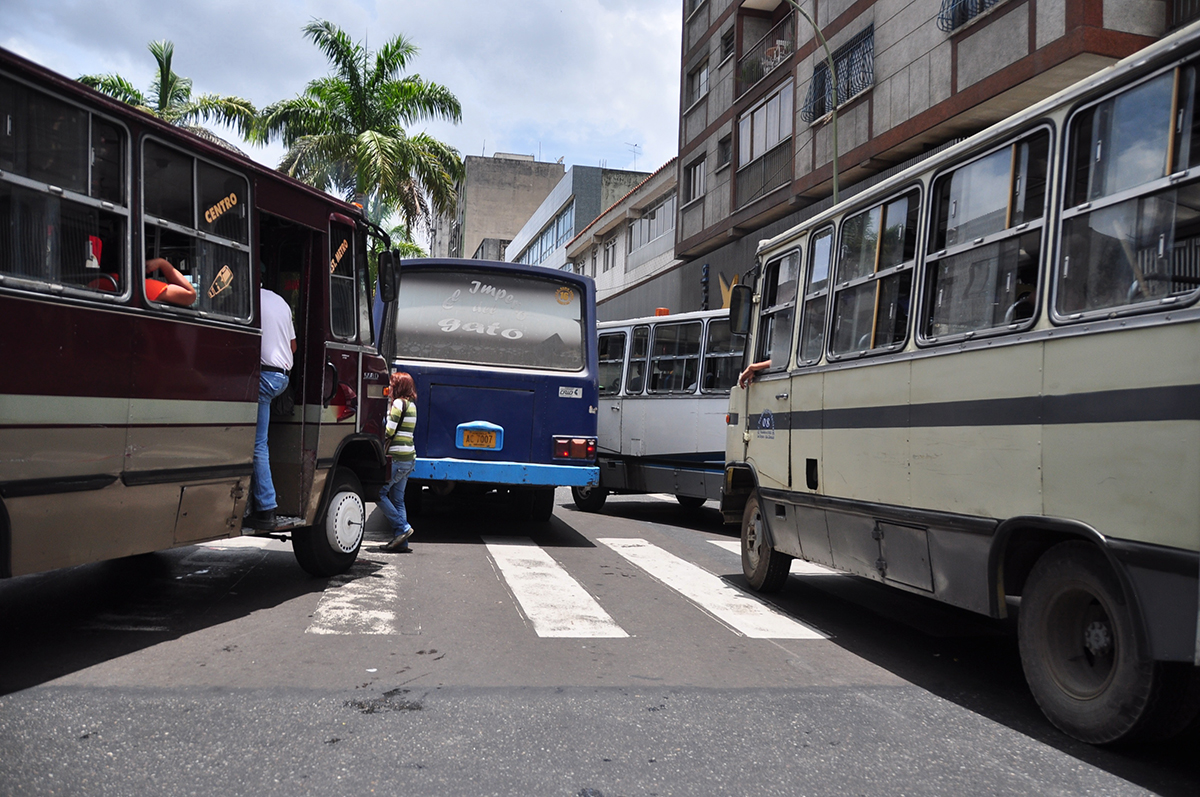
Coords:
278,346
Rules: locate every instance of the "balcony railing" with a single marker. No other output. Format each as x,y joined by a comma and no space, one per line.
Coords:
955,13
765,174
771,51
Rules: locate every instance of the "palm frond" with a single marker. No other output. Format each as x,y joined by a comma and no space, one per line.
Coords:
116,87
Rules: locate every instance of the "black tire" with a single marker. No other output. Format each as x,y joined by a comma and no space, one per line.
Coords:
589,499
330,547
765,568
534,504
1081,648
690,502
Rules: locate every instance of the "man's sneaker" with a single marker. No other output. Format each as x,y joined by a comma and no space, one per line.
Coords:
262,519
399,543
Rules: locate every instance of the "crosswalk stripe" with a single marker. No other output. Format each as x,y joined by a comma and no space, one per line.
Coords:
555,603
737,609
353,602
799,566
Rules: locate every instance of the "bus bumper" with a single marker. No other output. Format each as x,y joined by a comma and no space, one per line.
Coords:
467,470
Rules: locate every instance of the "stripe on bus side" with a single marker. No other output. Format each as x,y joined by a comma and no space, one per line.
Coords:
1135,405
82,410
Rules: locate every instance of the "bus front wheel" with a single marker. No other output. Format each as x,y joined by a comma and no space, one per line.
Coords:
589,499
765,568
330,547
690,502
1080,647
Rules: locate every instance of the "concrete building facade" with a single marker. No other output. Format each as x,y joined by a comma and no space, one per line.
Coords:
756,129
497,196
578,198
631,243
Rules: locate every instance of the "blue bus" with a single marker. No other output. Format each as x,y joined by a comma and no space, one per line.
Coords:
504,360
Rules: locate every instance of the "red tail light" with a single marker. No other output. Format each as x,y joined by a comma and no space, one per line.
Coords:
583,448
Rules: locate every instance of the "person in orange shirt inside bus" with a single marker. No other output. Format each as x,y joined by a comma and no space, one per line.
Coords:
173,287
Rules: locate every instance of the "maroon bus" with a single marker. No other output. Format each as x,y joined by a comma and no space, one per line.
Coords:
126,424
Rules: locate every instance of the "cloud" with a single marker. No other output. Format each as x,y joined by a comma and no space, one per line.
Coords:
583,80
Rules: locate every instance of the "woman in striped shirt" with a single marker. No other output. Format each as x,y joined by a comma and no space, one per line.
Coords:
399,427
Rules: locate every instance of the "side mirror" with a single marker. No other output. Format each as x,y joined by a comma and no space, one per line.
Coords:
387,276
741,299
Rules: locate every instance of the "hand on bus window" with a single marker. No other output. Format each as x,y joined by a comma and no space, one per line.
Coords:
173,287
748,375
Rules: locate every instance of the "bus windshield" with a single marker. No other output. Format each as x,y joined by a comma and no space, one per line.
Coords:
493,319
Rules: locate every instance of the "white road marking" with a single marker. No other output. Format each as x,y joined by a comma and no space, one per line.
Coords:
555,603
737,609
354,602
799,566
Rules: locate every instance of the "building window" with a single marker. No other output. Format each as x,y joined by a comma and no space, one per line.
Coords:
728,43
697,84
595,257
610,253
553,236
765,146
694,181
956,13
656,221
724,151
855,65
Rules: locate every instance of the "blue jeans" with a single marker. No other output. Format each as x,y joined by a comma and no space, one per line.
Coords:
391,497
270,385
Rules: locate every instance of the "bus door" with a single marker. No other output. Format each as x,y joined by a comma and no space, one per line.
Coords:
768,405
341,379
807,399
612,348
288,251
633,405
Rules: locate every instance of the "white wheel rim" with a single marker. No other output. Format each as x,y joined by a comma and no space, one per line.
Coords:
344,524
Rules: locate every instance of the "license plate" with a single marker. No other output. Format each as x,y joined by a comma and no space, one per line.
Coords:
475,439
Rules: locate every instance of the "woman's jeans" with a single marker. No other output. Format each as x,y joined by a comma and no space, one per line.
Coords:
391,497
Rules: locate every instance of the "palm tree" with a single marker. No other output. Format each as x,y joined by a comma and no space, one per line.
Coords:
346,133
171,100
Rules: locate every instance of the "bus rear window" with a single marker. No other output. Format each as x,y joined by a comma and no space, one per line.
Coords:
494,319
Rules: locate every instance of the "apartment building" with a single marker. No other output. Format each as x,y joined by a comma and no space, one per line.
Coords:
757,121
577,199
497,196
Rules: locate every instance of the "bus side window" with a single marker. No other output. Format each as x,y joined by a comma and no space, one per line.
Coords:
722,357
1131,251
66,222
981,272
816,293
343,316
778,306
675,363
612,362
635,382
874,277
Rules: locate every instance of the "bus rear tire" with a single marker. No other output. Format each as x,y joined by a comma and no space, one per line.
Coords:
764,567
589,499
535,504
330,547
1081,650
690,502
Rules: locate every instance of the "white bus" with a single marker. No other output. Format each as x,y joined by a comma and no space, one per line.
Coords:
664,391
984,387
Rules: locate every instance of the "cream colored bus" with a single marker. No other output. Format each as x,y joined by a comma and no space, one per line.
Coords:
984,387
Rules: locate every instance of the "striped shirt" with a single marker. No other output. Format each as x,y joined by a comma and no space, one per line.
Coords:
401,423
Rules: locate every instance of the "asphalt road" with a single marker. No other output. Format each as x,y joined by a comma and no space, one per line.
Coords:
603,655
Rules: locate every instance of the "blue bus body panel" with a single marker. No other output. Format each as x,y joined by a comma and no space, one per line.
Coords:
451,405
469,470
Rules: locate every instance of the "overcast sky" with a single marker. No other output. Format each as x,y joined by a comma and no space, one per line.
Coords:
584,80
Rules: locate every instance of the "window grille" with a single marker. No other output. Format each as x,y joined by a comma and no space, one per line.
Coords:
956,13
855,65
